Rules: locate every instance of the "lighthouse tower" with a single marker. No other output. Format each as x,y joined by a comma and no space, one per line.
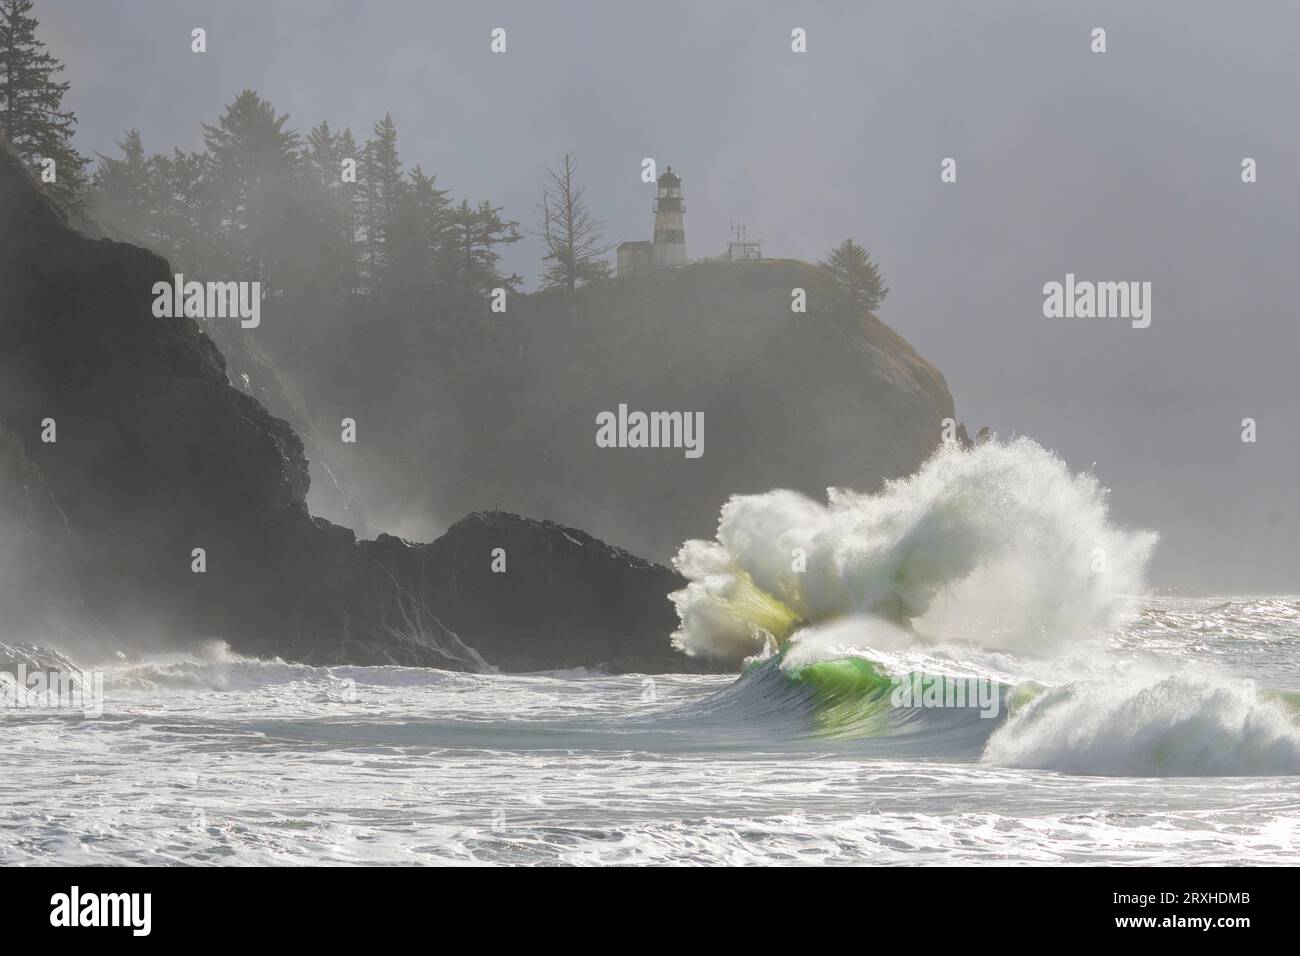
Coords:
670,232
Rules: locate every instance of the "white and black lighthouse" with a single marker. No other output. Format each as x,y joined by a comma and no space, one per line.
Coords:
668,248
670,230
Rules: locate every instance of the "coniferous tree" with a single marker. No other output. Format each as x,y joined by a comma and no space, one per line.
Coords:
852,270
322,154
382,188
351,219
333,203
32,117
185,223
575,249
418,237
473,236
123,192
254,165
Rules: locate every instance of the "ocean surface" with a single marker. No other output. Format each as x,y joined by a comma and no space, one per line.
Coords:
1172,739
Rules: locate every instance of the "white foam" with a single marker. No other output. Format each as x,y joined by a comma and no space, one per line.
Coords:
1185,724
1001,545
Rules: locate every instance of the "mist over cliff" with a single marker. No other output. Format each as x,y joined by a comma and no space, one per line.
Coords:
426,384
503,413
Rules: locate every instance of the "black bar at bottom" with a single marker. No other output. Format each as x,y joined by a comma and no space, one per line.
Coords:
335,906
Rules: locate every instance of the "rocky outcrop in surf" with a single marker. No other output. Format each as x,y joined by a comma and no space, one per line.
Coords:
536,595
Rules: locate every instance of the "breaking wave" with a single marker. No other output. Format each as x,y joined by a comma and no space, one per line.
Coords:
986,564
1000,544
1183,724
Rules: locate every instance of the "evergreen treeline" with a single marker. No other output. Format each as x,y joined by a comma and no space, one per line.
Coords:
317,217
309,216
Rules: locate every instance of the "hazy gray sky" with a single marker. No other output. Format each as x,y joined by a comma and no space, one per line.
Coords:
1120,166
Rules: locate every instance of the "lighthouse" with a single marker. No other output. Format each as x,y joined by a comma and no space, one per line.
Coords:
670,232
668,247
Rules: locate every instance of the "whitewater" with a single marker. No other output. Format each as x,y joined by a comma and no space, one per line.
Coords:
1129,727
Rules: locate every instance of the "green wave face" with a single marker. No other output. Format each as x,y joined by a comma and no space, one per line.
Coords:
850,696
854,697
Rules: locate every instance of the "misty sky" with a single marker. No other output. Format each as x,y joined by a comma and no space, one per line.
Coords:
1122,166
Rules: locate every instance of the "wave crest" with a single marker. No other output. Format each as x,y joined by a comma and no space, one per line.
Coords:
1180,725
1001,544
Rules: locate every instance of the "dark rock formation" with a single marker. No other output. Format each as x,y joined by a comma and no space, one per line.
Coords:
562,596
157,455
38,585
251,370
